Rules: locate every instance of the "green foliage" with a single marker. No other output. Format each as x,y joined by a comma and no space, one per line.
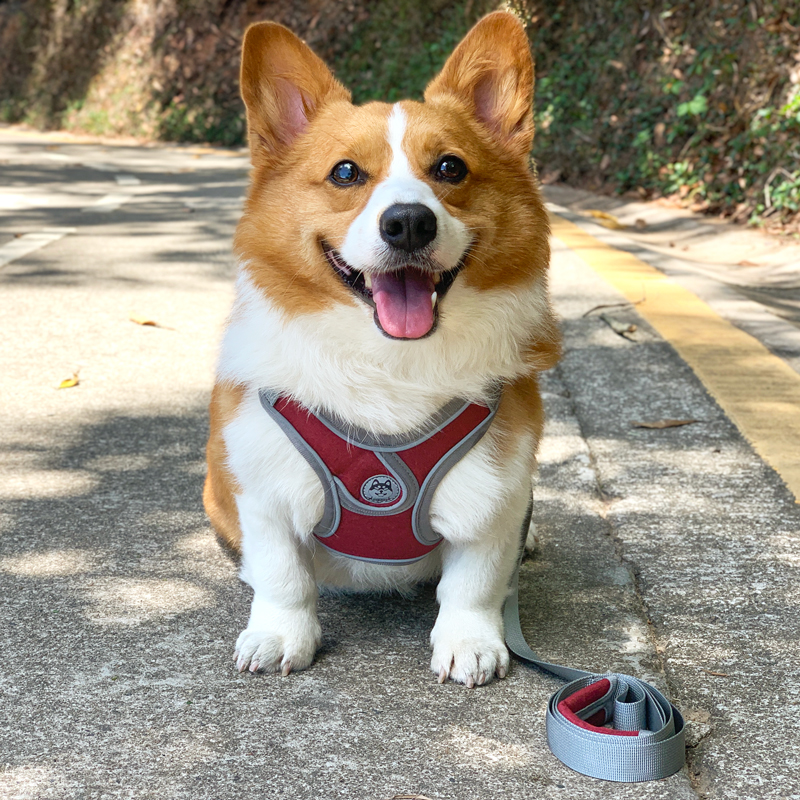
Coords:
93,120
384,51
394,51
674,97
49,53
678,97
179,122
695,107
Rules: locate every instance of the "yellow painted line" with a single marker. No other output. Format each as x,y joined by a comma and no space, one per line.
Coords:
756,389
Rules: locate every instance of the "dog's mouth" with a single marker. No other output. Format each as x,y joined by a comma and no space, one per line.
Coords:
406,300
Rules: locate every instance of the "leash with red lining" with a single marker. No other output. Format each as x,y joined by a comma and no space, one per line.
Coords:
378,492
647,740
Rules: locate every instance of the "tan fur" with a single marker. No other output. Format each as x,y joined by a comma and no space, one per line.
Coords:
292,206
282,245
301,123
520,412
284,84
220,487
491,74
498,200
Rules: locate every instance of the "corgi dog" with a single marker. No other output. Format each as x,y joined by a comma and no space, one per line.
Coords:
376,413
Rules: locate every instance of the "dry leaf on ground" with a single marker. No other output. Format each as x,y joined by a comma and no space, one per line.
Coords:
605,219
68,383
664,423
148,322
143,321
619,326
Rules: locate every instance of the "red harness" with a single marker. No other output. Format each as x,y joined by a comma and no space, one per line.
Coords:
378,489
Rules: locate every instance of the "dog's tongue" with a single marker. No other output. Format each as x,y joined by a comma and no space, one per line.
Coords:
403,302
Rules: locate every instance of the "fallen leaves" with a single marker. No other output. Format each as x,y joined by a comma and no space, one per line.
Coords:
143,321
550,177
605,219
139,320
659,424
68,383
620,327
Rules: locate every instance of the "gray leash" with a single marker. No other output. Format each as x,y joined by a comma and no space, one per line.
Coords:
646,741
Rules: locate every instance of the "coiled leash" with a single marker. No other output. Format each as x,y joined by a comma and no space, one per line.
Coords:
378,492
647,740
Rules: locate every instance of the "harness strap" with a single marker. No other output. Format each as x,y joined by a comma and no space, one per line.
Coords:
646,741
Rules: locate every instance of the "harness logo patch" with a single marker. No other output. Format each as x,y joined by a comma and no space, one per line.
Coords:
380,489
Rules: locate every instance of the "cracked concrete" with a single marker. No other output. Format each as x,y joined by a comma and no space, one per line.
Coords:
712,534
672,554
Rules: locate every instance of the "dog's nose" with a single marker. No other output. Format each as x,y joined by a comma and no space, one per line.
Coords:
408,226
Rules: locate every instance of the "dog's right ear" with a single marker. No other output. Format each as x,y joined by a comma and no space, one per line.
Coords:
283,84
491,73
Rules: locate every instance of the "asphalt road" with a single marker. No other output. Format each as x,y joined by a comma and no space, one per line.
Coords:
673,553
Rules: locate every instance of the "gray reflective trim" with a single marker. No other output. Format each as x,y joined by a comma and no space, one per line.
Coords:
332,514
657,752
405,478
395,443
386,448
270,395
403,473
421,519
390,562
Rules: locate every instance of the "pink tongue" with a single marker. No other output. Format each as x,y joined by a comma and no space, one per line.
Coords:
403,302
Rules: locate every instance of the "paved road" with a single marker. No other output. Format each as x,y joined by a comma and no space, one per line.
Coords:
673,554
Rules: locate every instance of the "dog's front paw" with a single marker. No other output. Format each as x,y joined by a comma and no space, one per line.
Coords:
468,647
283,645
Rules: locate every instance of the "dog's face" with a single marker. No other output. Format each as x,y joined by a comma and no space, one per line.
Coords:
383,207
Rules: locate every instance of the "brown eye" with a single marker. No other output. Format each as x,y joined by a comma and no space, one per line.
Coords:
451,169
345,173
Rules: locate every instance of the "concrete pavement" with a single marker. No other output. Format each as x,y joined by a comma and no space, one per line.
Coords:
673,554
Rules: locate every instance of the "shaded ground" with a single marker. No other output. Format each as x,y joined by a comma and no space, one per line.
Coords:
672,554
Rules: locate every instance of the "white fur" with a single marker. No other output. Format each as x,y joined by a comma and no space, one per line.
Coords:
337,360
363,247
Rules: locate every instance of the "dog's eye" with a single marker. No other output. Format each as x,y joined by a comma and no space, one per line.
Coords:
345,173
451,169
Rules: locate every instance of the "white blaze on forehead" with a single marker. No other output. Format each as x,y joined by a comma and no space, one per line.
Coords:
363,246
400,169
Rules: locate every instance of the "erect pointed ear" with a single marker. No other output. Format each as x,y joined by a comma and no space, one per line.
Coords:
491,72
284,84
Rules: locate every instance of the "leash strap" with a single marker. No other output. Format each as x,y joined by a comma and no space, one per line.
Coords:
646,741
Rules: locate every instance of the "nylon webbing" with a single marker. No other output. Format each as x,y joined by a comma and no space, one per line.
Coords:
656,751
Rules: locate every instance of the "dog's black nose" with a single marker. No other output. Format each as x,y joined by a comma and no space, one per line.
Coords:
408,226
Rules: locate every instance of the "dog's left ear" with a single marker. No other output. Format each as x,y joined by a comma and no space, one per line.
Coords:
491,71
284,84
